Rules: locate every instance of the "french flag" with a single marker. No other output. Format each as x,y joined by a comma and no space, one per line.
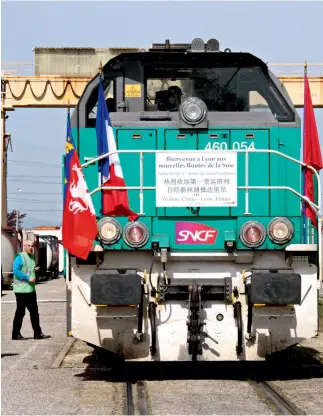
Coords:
114,201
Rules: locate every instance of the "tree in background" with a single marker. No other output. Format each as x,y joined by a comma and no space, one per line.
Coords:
12,218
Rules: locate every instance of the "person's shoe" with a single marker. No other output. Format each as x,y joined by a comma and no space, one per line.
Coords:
41,336
17,337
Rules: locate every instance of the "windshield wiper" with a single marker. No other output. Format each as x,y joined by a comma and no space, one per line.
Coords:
227,84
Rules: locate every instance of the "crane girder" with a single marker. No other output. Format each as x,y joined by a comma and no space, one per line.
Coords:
61,91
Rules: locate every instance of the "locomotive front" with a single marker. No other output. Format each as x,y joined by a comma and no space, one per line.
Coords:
215,267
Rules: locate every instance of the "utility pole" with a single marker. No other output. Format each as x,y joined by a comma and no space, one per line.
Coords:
17,219
5,140
3,162
17,212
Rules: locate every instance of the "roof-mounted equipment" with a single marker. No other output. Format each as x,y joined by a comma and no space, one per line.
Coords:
167,46
197,45
212,45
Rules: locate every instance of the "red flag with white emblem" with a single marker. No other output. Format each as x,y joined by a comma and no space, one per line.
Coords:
79,219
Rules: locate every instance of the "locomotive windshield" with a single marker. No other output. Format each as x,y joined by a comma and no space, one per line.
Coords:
225,82
222,89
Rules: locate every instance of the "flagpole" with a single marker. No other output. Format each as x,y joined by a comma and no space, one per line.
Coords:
68,111
303,169
64,166
100,68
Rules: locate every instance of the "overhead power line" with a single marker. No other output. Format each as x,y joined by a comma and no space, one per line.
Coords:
16,180
35,193
33,176
60,150
34,163
43,210
36,200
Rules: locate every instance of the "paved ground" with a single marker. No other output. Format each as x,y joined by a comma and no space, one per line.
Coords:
30,353
26,366
78,388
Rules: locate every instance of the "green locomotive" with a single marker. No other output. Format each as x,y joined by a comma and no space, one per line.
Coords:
216,266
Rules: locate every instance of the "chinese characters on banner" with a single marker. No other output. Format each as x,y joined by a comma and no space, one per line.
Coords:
196,179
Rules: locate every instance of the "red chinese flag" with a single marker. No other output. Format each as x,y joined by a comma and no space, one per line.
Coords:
312,150
79,220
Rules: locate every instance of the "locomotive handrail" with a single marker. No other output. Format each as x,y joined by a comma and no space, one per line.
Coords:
246,187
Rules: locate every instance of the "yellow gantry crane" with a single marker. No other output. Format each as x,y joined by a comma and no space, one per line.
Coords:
56,91
60,91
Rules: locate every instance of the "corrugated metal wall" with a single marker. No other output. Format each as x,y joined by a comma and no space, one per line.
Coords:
73,61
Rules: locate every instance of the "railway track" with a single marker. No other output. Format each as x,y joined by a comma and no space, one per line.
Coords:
143,396
137,399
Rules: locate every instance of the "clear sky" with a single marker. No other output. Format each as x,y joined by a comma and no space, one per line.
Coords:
273,31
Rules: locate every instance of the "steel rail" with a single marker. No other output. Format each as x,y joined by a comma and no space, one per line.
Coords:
280,404
133,406
142,398
130,405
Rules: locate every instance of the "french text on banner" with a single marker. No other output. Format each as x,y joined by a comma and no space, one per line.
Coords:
196,179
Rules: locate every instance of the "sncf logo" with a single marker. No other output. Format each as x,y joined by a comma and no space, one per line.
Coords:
195,233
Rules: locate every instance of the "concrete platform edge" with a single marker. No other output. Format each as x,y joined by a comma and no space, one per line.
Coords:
63,353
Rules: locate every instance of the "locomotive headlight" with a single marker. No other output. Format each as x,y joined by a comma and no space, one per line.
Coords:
280,230
193,110
136,234
109,230
252,234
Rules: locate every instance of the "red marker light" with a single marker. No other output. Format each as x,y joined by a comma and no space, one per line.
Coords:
252,234
136,234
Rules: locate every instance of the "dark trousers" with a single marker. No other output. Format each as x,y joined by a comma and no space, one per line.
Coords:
29,301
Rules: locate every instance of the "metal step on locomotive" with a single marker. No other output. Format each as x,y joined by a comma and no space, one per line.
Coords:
216,267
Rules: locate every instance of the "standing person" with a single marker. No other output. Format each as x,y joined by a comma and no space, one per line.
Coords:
24,287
